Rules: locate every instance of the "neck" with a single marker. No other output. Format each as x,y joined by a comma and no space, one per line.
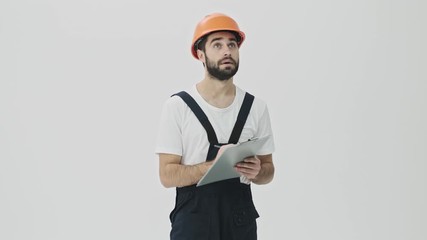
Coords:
217,93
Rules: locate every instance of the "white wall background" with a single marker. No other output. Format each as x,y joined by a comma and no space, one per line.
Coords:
82,83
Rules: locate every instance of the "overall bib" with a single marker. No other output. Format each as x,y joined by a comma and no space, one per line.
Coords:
218,211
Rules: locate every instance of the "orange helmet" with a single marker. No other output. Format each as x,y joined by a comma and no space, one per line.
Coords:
215,22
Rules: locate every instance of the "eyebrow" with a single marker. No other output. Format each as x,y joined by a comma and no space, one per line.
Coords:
220,38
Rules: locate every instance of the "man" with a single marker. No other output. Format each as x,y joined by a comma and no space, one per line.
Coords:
214,112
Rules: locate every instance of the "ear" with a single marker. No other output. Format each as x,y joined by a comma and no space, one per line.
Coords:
201,55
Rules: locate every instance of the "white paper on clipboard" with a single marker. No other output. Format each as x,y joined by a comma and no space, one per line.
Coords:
223,168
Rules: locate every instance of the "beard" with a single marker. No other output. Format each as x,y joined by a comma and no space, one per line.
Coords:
222,75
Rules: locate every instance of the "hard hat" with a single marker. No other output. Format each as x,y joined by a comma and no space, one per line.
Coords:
212,23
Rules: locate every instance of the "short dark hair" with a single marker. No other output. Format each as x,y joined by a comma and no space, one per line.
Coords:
201,42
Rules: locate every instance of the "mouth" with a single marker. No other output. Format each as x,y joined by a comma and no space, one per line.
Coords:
227,62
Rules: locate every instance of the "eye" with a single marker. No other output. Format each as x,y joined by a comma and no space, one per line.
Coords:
232,45
217,45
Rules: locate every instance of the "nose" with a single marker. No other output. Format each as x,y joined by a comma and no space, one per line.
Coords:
227,51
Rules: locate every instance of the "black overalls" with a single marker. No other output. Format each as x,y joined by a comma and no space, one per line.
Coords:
218,211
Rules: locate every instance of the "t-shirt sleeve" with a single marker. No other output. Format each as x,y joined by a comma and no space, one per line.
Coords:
169,138
264,130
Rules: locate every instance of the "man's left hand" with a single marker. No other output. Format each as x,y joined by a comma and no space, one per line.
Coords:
249,167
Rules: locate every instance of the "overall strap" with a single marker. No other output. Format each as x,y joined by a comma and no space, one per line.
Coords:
241,118
238,126
200,115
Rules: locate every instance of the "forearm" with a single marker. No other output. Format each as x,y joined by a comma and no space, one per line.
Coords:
177,175
266,173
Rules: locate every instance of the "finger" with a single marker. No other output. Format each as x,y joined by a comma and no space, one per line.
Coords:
253,166
250,163
246,171
245,165
251,159
247,174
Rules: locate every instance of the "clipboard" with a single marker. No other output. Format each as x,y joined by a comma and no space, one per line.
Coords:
223,168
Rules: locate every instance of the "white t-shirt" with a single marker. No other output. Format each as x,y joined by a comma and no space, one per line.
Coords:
181,133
